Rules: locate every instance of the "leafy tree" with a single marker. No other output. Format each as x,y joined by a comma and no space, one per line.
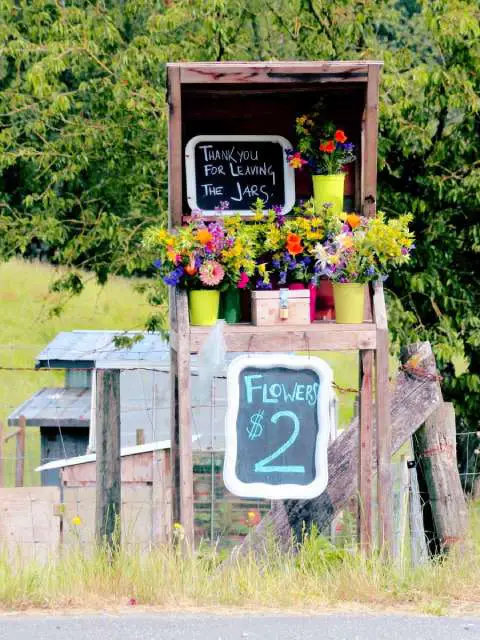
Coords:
429,160
83,135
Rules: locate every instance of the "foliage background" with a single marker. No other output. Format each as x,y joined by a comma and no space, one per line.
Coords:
83,137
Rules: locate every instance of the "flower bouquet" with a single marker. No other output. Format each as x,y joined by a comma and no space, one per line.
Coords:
203,258
325,149
362,250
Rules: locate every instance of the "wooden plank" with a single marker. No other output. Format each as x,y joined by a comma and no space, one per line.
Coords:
161,498
20,452
383,422
436,450
369,143
108,470
414,399
175,147
269,72
317,336
181,424
365,454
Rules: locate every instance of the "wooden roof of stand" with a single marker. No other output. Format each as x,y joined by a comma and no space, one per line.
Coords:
274,72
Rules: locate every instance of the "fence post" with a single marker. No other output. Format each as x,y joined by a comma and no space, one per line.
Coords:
436,449
20,456
108,468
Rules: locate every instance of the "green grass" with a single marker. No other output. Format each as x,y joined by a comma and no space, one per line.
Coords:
27,326
319,576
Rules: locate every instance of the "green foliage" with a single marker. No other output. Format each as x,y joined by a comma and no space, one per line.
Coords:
429,150
83,136
82,132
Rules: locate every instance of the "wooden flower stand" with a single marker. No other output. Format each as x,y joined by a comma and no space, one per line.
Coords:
264,98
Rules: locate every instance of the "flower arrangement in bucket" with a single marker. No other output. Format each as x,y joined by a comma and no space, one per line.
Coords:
287,243
360,251
205,259
325,149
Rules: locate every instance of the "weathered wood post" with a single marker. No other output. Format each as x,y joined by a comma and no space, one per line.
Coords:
20,452
108,469
437,454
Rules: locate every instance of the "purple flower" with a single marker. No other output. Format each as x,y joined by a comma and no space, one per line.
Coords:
276,264
283,278
157,264
223,205
405,251
261,284
278,209
306,261
348,147
173,278
371,271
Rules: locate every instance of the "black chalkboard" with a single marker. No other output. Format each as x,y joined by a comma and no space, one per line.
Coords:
237,170
277,426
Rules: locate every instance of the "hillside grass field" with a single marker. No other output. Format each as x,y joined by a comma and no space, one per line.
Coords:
28,326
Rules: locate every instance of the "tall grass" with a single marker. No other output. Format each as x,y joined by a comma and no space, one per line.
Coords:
318,576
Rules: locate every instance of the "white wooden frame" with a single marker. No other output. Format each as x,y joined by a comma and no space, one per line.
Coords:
262,489
191,178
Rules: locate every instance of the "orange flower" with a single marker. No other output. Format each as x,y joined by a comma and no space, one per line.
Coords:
292,238
340,136
353,220
294,249
329,146
204,236
191,269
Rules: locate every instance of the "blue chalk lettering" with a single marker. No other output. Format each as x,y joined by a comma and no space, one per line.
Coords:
265,397
300,392
289,397
250,387
262,465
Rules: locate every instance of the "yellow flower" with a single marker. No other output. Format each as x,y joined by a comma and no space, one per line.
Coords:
346,242
163,236
77,521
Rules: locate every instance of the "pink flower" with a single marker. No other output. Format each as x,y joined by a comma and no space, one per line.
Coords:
211,273
243,281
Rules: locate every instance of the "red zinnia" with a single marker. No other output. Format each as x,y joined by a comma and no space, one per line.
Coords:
340,136
328,147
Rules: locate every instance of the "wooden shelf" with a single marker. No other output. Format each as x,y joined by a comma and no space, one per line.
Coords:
311,337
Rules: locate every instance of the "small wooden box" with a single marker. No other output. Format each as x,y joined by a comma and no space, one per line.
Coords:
266,307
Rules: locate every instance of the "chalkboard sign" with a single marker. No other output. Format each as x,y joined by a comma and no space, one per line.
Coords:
277,426
237,170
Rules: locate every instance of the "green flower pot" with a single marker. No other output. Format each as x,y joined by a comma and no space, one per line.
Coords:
203,306
349,300
230,305
328,189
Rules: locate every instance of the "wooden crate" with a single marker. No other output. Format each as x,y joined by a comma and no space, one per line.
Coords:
266,307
